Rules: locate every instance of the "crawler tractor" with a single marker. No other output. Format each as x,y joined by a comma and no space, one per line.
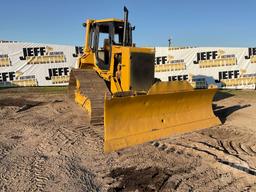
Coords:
115,83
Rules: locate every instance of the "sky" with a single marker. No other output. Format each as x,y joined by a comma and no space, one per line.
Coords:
222,23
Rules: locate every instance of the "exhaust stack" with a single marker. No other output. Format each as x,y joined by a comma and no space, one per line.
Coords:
125,26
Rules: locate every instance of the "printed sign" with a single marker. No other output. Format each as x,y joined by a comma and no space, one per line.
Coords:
232,68
31,64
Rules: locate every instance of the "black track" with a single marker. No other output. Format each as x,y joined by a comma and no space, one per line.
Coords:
94,88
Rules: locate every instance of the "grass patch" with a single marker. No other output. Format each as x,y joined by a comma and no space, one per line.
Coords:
50,89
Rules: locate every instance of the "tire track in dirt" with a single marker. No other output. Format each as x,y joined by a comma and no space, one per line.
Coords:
5,149
59,150
38,179
227,151
201,177
9,142
52,143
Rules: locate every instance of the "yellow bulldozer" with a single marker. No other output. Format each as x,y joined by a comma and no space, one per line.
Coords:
114,81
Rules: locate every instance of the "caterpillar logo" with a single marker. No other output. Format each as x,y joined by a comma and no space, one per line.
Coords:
5,61
42,55
7,76
251,55
215,59
164,63
79,51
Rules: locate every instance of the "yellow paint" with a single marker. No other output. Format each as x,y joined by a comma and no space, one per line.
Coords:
108,20
117,83
170,87
243,80
169,108
46,59
25,82
253,59
218,62
83,101
135,120
125,65
5,62
60,79
170,67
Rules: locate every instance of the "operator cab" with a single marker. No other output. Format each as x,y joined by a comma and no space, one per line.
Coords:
106,33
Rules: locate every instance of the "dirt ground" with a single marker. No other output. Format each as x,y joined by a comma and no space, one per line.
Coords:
46,144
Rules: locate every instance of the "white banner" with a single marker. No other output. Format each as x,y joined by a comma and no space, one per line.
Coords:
232,68
31,64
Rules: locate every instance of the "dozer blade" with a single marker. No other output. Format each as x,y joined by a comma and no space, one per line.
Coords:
168,109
